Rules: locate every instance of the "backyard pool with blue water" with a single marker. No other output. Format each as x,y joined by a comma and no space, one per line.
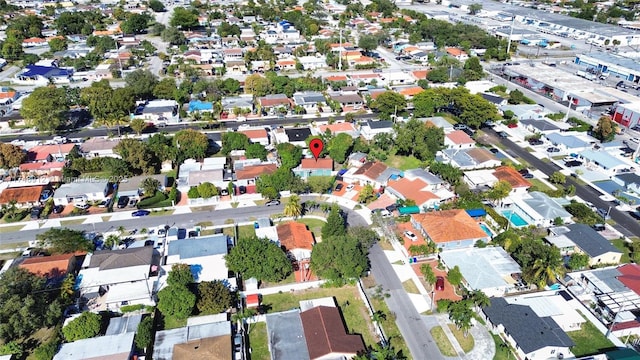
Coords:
515,219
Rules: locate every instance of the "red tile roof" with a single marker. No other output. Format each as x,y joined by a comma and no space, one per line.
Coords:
41,152
255,133
49,266
336,78
455,51
325,333
449,225
321,163
24,194
412,91
294,235
630,276
510,175
371,170
253,300
252,172
460,137
264,101
337,128
412,189
420,74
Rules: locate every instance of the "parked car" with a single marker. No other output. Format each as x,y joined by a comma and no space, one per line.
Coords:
528,176
45,195
139,213
339,187
523,171
391,208
572,163
28,252
122,202
105,203
460,126
553,150
439,283
410,235
503,135
35,212
535,142
512,125
604,213
242,190
272,202
635,214
599,227
58,209
82,206
350,187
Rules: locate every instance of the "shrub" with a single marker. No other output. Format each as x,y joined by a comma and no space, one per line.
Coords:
131,308
152,201
443,305
502,221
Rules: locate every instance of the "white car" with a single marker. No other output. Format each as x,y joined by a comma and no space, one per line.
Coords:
350,187
635,140
410,235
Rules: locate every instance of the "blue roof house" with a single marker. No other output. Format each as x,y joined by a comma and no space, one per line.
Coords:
42,75
606,162
569,143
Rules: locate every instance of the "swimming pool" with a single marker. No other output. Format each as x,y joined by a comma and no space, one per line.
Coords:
486,230
516,219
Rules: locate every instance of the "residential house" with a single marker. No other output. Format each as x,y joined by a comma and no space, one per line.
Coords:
51,170
54,267
193,173
235,54
49,153
457,54
22,196
370,129
587,241
159,112
313,167
469,158
490,270
36,75
295,136
525,111
34,42
313,62
205,255
544,126
8,97
247,175
112,347
204,337
494,99
133,186
567,142
409,91
257,136
273,104
416,190
235,66
296,239
605,162
440,122
558,305
519,185
458,139
286,64
99,147
630,181
376,174
112,278
349,102
128,323
536,338
244,103
338,128
449,229
80,191
311,101
541,209
356,159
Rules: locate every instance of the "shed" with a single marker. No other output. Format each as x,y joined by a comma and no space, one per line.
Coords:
253,300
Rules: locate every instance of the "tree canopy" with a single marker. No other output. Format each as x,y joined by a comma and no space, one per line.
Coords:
64,240
290,155
184,18
339,258
335,225
273,264
213,297
85,326
11,156
605,130
418,139
177,301
191,144
141,83
389,103
45,108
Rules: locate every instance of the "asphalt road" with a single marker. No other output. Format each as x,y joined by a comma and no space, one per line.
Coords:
624,222
409,321
86,132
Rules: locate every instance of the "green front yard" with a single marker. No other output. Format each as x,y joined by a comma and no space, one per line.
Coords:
258,342
314,225
390,327
442,341
244,231
466,342
403,162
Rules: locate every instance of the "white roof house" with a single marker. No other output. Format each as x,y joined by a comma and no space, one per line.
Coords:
542,209
81,191
551,304
113,347
489,269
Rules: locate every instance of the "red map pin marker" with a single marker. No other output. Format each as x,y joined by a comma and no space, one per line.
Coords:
316,146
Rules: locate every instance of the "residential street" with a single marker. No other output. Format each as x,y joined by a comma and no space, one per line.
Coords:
625,223
410,322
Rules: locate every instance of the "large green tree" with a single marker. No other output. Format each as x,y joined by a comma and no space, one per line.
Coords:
389,103
11,156
340,146
191,144
290,155
234,141
139,157
145,334
141,83
605,130
184,18
273,265
85,326
64,240
335,225
180,275
213,297
45,108
135,24
339,258
419,139
177,301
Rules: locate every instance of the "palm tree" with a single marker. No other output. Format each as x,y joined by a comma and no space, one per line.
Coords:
461,314
242,316
429,275
378,316
121,230
381,351
479,299
67,287
150,186
111,241
293,207
547,270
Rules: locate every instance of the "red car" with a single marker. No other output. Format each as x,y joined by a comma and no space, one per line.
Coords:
440,283
513,125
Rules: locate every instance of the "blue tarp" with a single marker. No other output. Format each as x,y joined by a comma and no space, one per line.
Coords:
476,212
342,172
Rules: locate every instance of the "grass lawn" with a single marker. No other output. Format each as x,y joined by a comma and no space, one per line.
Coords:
353,309
12,246
205,224
12,228
410,287
502,352
403,162
291,279
385,245
442,341
390,327
314,225
41,336
258,342
539,184
72,222
589,340
171,322
466,343
161,212
203,208
244,231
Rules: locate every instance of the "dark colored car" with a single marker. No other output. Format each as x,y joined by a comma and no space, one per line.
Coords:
635,214
528,176
572,163
35,212
242,190
139,213
391,208
535,142
503,134
523,171
553,150
440,283
123,201
58,209
339,187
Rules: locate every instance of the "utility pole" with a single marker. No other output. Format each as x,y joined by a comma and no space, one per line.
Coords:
510,35
340,56
566,117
